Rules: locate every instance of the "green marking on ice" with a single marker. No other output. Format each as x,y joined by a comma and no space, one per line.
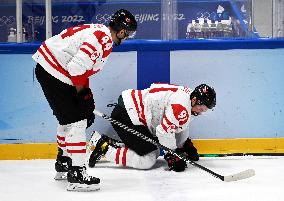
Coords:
210,155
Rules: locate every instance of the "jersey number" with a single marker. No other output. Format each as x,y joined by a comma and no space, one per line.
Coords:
105,41
72,30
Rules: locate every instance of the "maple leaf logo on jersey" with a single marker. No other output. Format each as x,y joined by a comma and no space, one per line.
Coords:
180,113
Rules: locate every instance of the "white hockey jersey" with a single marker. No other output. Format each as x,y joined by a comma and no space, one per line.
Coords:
164,108
76,53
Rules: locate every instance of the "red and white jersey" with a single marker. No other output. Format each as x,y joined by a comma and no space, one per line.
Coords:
164,108
76,53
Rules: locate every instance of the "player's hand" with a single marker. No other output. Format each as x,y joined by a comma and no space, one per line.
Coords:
90,120
175,163
189,149
86,102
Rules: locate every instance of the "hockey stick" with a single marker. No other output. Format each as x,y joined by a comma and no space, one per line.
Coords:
233,177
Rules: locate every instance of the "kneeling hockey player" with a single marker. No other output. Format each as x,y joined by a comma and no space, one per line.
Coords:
162,113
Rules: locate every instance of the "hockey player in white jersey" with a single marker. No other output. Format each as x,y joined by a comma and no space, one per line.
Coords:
64,64
163,113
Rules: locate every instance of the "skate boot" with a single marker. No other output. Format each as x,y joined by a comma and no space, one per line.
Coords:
100,144
61,166
79,180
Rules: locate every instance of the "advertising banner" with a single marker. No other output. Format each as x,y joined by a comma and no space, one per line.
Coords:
148,15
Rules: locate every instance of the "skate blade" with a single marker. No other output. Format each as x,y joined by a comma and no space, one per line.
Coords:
60,176
82,187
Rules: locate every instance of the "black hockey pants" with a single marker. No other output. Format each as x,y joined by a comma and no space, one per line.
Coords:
135,143
61,97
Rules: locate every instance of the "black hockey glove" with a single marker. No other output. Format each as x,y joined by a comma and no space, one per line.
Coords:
189,150
175,163
90,120
86,102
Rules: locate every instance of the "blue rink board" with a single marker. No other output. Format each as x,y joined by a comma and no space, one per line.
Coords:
255,73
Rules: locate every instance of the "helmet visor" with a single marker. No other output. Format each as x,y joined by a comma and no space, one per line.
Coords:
130,34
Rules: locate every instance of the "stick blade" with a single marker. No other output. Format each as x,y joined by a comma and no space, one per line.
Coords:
241,175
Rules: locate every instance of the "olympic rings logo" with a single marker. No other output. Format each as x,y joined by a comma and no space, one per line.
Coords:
212,15
7,20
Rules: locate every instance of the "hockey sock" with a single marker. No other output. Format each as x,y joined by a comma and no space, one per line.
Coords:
61,134
127,157
76,142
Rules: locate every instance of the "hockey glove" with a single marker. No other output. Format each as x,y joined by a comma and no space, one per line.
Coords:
90,120
86,102
190,150
175,163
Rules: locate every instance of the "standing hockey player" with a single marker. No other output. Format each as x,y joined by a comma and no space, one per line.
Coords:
162,113
64,64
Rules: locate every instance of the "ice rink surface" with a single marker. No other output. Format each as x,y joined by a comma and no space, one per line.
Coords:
32,180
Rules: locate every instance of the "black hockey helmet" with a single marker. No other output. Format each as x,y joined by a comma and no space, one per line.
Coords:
123,19
205,95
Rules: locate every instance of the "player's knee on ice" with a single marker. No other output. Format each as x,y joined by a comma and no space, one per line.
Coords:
145,162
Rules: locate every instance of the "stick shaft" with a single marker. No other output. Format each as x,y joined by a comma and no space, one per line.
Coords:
96,112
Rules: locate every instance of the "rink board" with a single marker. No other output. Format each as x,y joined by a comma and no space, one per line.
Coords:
247,75
212,146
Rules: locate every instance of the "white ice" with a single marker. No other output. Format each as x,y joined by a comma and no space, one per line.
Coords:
32,180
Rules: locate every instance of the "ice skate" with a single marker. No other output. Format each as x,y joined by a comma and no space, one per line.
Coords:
79,180
98,146
61,166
